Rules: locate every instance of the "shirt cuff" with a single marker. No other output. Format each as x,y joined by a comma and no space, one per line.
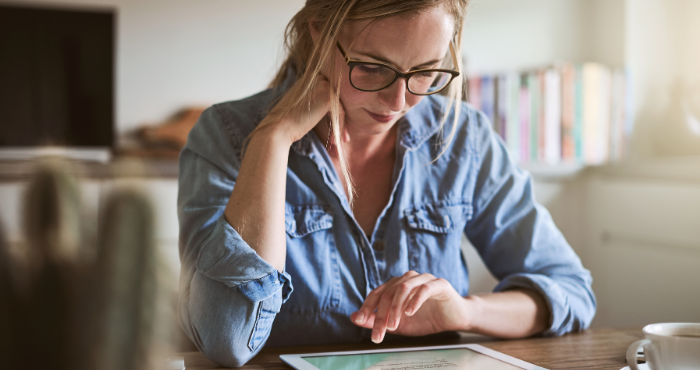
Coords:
227,258
560,315
263,288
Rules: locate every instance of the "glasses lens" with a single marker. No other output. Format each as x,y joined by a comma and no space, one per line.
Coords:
371,76
427,82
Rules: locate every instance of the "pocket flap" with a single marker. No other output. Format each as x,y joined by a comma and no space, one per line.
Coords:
439,218
302,220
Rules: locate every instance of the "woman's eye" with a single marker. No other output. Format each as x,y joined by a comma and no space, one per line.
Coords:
426,74
369,69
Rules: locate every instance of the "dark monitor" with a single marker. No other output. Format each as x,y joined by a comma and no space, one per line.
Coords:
56,77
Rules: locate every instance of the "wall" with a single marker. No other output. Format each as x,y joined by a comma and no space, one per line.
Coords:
509,34
663,54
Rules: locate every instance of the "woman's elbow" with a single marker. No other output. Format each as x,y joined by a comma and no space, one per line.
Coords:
221,322
227,354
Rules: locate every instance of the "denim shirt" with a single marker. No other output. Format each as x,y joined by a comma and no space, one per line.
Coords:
232,302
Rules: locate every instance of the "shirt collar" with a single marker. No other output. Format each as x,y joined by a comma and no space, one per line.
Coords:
421,122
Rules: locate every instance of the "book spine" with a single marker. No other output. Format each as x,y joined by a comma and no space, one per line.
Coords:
487,99
570,113
524,119
535,105
578,114
552,114
474,95
605,114
541,124
591,112
513,120
502,106
568,72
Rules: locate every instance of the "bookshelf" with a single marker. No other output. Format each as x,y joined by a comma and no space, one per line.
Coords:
651,40
547,172
554,90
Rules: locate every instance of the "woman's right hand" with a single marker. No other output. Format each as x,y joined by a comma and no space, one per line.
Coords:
294,126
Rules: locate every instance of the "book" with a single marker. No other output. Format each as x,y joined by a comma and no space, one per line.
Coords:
568,92
535,93
591,111
474,92
552,117
501,109
578,114
513,116
524,115
602,141
488,100
565,113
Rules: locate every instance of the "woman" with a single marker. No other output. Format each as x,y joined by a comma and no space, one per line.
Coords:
330,208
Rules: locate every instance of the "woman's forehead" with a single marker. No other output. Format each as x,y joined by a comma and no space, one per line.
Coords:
405,40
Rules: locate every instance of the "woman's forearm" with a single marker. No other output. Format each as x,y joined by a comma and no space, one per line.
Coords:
256,206
510,314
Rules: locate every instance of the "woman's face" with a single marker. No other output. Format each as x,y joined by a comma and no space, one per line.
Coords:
406,43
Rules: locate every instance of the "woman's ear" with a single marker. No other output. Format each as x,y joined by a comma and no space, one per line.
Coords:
313,31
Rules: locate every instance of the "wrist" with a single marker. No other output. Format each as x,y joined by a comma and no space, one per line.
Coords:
472,306
276,136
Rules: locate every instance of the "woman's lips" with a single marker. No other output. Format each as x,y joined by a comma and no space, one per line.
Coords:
380,117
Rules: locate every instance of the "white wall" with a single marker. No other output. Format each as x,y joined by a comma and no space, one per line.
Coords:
174,53
663,55
514,34
642,245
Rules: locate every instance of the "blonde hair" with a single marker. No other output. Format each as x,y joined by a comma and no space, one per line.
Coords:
308,59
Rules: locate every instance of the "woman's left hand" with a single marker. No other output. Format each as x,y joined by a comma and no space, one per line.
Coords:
413,304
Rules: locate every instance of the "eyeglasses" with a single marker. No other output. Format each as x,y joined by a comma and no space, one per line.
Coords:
372,76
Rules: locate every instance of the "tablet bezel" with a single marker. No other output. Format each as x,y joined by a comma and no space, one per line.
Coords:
298,362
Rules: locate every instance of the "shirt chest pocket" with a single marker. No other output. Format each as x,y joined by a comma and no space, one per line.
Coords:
312,260
434,232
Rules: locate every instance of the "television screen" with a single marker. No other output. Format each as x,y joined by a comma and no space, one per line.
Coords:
56,77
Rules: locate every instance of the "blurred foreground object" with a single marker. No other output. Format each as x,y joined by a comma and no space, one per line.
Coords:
41,323
52,215
67,304
165,139
133,315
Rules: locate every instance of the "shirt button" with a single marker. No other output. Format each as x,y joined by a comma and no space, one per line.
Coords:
379,246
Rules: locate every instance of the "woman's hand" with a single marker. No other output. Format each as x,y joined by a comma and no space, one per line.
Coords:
295,125
413,304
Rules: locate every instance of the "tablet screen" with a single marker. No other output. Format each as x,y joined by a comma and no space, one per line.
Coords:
458,358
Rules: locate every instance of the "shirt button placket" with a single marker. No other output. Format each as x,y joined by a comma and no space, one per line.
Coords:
370,263
379,246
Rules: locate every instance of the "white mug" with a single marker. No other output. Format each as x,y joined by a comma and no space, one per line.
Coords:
670,346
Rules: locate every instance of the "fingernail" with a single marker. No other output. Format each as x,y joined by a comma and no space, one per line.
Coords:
360,318
392,324
408,312
376,337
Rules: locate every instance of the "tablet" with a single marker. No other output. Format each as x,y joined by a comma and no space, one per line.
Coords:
461,356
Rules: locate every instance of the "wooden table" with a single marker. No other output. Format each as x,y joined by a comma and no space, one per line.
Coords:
600,349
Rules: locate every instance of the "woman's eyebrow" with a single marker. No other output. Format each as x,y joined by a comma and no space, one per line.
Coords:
428,63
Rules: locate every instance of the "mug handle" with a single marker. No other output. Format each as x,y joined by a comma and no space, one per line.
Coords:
632,353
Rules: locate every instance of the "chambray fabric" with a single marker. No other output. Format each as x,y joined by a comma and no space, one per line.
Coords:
232,302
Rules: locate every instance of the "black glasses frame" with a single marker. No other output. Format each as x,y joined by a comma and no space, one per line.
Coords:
352,63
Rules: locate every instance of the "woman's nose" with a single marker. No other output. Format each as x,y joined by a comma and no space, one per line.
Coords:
394,96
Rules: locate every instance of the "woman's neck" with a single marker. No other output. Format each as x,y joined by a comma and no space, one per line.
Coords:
359,146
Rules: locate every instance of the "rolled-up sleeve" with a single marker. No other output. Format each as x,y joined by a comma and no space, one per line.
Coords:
518,240
228,296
